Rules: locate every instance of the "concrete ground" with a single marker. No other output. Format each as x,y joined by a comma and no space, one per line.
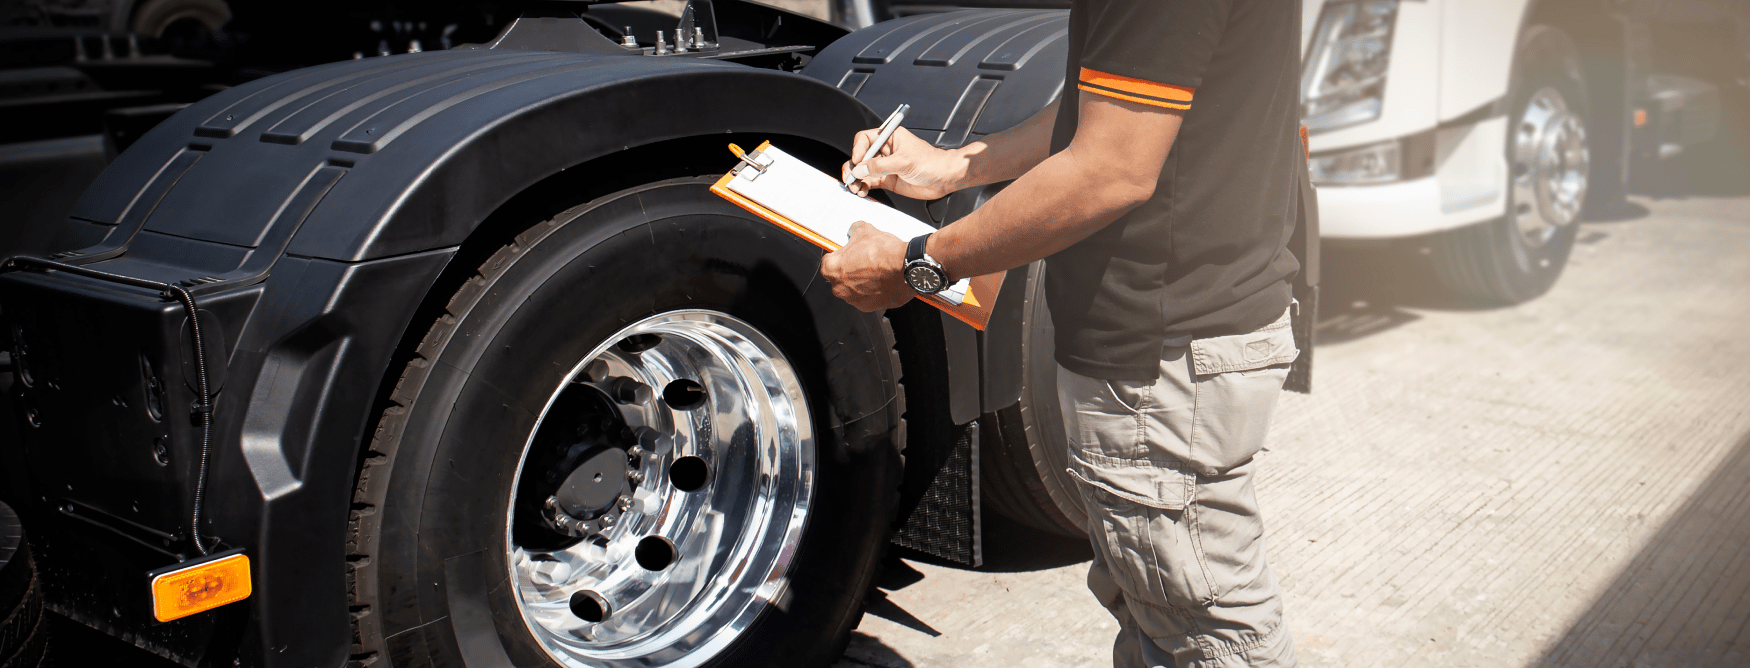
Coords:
1560,483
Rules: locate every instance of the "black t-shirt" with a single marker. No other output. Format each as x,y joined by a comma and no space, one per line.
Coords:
1206,256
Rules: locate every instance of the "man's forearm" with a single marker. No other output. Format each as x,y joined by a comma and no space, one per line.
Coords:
1110,168
1009,154
1058,203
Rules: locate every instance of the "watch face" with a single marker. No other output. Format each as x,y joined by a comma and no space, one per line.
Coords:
924,279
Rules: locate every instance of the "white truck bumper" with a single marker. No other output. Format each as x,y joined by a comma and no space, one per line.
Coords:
1468,186
1384,211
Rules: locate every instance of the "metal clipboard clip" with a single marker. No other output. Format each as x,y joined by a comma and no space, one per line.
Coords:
750,160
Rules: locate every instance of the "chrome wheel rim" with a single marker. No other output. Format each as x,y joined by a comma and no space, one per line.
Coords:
1550,163
602,594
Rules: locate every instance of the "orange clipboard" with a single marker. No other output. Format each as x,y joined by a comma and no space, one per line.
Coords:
980,293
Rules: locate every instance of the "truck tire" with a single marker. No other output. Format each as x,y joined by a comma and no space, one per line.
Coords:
23,630
643,434
1519,256
1026,457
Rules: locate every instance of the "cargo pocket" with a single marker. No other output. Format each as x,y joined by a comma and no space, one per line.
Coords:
1236,381
1138,512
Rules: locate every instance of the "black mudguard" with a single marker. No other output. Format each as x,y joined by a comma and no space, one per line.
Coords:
310,213
967,75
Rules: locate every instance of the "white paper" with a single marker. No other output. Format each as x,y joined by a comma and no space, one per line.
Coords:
805,195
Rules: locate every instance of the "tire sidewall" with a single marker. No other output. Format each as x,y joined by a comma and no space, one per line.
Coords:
1049,449
604,265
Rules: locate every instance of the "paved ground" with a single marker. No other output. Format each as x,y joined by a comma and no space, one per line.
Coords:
1561,483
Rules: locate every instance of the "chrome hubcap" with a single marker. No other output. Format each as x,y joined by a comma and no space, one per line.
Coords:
662,494
1550,163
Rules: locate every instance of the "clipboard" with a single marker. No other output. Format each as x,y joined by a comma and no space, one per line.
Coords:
804,201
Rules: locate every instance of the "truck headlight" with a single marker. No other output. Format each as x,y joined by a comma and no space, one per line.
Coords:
1376,163
1343,80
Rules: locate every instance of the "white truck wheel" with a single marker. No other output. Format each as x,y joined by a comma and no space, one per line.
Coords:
1519,256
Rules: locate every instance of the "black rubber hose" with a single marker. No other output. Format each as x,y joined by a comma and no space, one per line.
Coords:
204,409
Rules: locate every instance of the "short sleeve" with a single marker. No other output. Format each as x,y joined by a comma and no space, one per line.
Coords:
1150,51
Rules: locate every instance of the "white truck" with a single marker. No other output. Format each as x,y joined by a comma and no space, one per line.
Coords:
1486,128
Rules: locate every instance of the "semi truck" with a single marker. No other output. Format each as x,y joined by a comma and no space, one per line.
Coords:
415,338
1486,131
450,357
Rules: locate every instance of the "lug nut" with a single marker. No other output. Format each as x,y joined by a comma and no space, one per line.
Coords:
646,501
628,391
595,372
617,552
591,550
628,40
654,441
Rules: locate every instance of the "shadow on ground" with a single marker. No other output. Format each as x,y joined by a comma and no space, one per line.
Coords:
867,652
1684,601
1009,547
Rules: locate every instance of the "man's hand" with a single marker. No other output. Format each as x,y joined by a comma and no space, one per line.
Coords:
906,165
868,271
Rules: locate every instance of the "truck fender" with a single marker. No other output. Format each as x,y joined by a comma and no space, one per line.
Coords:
313,211
432,143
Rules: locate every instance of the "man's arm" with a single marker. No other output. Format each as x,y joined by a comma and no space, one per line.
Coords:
912,167
1110,167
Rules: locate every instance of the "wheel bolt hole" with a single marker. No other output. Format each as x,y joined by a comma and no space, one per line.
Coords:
589,606
638,343
654,553
684,394
688,473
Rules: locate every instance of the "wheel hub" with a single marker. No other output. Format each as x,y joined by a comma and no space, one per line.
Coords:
1550,168
596,486
662,494
587,481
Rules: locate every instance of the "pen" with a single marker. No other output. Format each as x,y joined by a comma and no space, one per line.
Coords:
887,128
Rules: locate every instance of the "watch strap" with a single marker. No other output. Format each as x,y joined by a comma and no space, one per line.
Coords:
914,250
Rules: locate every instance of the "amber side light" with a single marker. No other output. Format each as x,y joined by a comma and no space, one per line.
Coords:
185,591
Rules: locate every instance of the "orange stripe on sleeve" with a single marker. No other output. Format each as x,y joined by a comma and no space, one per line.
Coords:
1132,98
1179,96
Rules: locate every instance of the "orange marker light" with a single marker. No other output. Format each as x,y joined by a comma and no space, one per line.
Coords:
1640,117
201,587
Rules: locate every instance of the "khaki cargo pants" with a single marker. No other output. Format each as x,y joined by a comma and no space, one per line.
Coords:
1166,474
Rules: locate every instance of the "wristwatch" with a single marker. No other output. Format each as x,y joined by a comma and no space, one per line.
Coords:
922,272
